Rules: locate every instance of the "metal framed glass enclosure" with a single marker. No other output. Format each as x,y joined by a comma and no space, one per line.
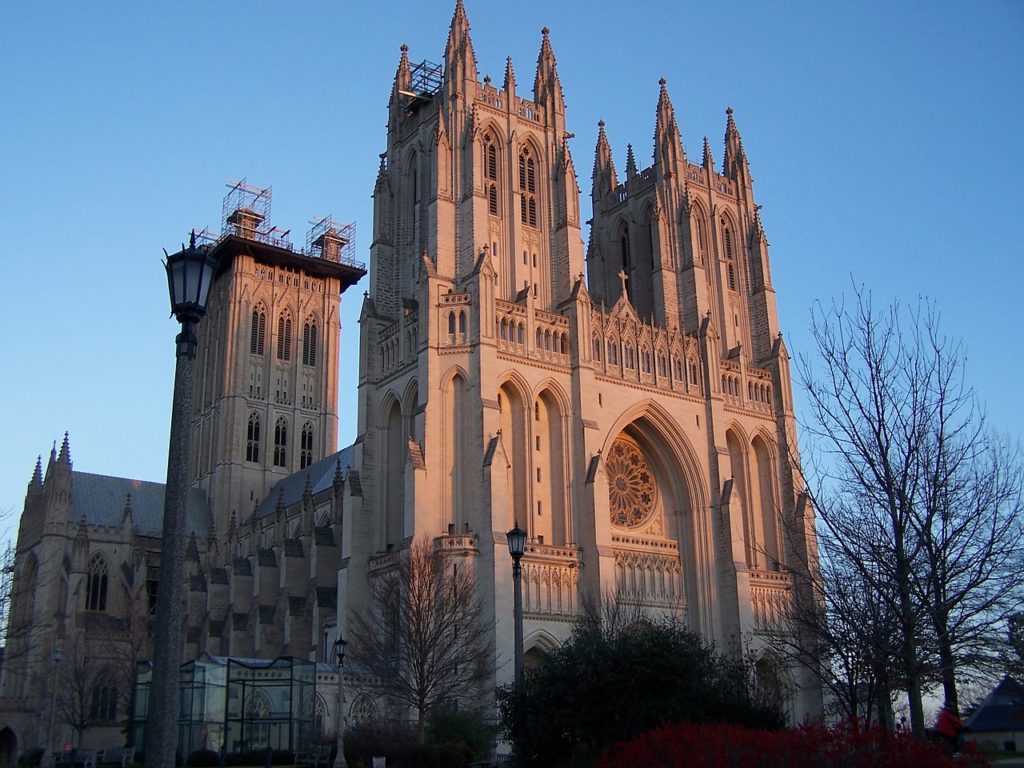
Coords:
238,705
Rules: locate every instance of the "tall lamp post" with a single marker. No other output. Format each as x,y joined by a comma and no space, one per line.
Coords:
339,728
190,272
516,547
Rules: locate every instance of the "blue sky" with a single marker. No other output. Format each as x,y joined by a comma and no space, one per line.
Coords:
884,140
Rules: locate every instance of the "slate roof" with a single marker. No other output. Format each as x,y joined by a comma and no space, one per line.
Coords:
100,499
321,477
1003,710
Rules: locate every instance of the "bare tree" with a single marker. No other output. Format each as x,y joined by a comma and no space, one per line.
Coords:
912,494
424,640
78,676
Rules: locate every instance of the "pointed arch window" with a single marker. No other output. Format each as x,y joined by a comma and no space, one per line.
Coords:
702,236
491,173
730,263
528,187
258,333
252,438
96,586
280,443
309,342
284,337
306,446
104,701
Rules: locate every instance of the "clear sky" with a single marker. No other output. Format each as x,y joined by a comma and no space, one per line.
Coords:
886,141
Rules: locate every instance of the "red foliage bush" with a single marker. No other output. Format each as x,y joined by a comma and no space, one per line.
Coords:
732,746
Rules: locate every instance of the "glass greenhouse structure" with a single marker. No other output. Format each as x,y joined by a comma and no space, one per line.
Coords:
237,705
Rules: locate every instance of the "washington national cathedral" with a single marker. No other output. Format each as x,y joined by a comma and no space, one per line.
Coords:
628,403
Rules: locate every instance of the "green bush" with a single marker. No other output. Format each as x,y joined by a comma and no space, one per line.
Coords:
32,758
454,739
463,736
611,682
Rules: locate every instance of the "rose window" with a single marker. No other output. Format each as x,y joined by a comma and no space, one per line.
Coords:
631,488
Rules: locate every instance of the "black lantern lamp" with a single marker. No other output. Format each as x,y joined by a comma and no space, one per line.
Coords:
516,546
339,650
190,272
516,542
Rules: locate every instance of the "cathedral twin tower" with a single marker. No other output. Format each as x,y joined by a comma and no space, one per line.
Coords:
638,422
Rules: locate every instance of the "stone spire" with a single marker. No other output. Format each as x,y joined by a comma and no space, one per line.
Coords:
668,143
735,163
337,479
459,59
709,162
35,485
403,76
65,453
510,77
604,177
547,88
630,162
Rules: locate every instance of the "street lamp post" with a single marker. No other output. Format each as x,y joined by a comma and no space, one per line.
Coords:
189,275
339,728
516,547
56,656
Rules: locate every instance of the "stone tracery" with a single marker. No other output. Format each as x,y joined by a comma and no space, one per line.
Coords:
632,492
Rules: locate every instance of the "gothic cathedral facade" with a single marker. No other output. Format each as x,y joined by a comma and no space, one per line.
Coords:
637,422
628,404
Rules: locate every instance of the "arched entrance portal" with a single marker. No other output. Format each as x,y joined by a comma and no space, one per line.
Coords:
650,504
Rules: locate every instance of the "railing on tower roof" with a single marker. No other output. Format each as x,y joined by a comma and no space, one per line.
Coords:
333,241
427,78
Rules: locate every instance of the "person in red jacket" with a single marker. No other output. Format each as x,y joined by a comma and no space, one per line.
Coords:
949,725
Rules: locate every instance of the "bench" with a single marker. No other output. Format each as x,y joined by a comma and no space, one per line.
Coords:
121,757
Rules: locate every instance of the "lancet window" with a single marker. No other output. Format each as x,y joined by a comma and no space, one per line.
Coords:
528,187
284,337
252,441
96,587
280,442
259,331
309,343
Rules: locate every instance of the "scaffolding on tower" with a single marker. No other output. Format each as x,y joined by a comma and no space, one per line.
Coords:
333,241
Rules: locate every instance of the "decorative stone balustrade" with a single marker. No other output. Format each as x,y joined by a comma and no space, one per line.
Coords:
551,578
650,578
771,594
747,386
